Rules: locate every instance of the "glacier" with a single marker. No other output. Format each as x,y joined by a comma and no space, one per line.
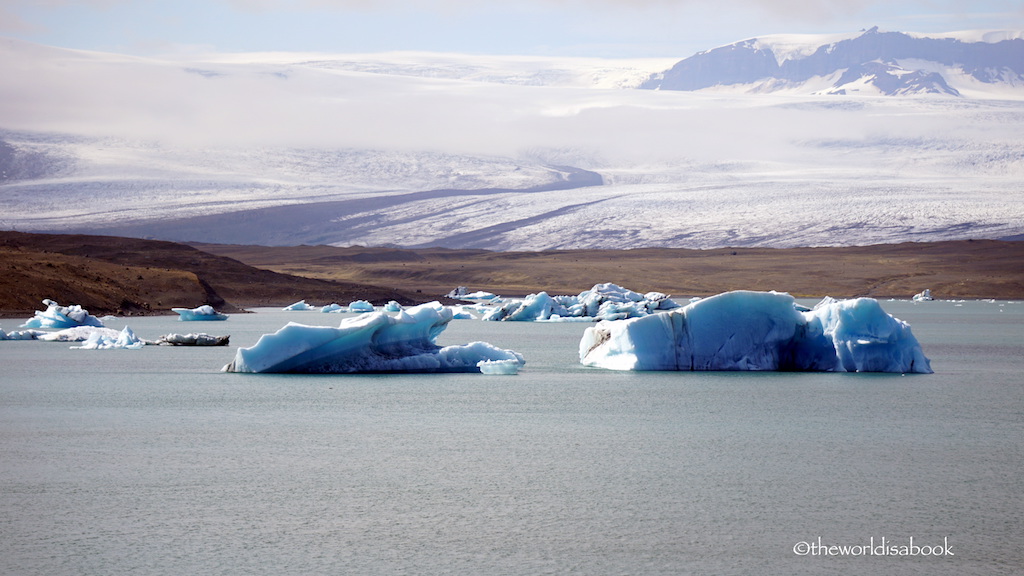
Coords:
605,301
372,342
887,170
57,316
204,312
747,330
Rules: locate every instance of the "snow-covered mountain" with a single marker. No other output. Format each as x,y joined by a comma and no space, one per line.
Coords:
888,63
508,153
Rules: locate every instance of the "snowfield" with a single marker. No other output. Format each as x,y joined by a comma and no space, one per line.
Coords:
490,152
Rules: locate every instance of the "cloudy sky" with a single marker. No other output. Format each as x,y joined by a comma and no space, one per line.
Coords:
603,28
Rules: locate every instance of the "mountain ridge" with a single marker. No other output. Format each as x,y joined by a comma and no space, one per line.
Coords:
876,59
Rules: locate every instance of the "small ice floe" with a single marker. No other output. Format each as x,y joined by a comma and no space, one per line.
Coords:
21,334
360,307
300,305
204,312
392,306
192,340
499,366
57,316
925,296
99,340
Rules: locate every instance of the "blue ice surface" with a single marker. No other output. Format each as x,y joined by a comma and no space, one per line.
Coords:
368,343
746,330
57,316
204,312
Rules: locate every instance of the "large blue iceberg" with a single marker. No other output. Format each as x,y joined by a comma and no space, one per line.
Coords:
372,342
746,330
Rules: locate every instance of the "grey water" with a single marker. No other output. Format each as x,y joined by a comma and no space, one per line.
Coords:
153,462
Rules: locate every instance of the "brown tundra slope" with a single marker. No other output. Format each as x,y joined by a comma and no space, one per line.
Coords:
115,275
125,276
951,270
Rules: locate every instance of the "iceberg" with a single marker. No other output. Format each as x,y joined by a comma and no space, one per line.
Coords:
479,296
100,340
332,307
392,306
192,340
602,302
745,330
925,296
57,316
300,305
21,334
360,307
204,312
374,342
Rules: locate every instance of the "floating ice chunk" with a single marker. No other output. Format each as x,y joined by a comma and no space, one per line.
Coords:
78,334
479,296
534,307
57,316
300,305
193,340
100,340
603,301
506,367
745,330
374,342
925,296
360,307
392,306
332,307
22,334
461,313
204,312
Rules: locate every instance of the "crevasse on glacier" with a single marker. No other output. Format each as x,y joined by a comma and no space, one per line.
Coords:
745,330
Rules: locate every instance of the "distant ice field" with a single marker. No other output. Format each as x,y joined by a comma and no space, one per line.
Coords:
488,152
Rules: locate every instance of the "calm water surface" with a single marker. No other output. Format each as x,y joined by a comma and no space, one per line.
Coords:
154,462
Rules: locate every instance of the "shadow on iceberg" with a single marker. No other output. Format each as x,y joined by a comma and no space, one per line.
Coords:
746,330
370,343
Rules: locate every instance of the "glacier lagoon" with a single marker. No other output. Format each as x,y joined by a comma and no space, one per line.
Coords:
153,461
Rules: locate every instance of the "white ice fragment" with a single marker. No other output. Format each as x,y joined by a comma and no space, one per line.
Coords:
204,312
100,340
602,302
300,305
504,367
57,316
193,339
